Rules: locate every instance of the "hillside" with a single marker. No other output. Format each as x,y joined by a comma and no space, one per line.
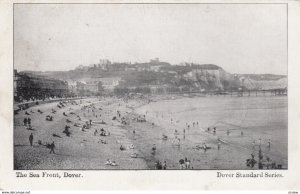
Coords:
208,77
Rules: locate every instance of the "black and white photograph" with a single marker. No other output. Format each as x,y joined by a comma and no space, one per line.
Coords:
151,86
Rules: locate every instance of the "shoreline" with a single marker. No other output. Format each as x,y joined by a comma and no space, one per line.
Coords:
233,144
146,134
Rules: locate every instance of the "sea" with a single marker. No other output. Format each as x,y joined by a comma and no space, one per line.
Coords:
242,123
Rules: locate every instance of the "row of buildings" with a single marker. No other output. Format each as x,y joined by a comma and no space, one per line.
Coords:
31,87
106,66
93,86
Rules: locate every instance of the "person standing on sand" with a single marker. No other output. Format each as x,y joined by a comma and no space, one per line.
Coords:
204,147
269,144
52,146
31,139
159,166
181,164
153,149
165,165
188,164
185,162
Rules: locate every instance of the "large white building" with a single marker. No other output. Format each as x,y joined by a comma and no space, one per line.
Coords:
72,86
109,83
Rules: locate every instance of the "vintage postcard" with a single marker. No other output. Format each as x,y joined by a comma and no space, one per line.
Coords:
147,95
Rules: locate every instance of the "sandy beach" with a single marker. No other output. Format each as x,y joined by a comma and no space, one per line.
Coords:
123,120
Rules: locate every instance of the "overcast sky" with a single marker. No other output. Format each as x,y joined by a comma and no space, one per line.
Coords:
241,38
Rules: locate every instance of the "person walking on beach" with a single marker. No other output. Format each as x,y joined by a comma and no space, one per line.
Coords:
178,142
29,122
219,145
31,139
25,121
52,146
253,145
269,144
